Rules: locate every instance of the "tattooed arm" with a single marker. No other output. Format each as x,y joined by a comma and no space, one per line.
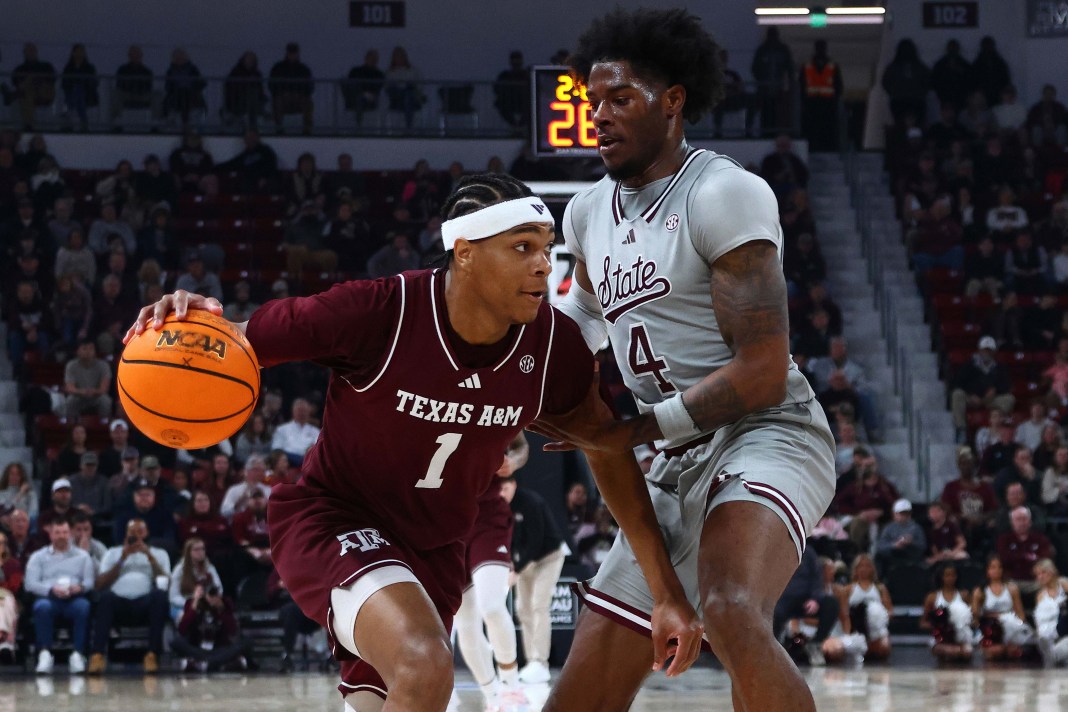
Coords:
749,298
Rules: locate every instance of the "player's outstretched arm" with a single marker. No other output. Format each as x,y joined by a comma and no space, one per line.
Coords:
623,487
180,302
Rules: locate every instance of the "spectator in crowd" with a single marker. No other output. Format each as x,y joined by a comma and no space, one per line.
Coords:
129,470
132,590
71,310
783,169
349,236
982,382
951,76
205,524
906,80
1030,431
944,538
76,258
968,498
901,541
984,270
238,497
113,311
35,83
112,456
1055,484
279,470
148,511
90,492
87,382
60,507
998,430
192,570
69,459
579,512
208,636
845,443
538,555
291,88
821,89
735,97
103,230
1006,217
256,166
250,529
773,70
243,94
1049,612
254,438
838,359
1053,232
1021,548
1052,439
937,240
306,183
156,240
839,399
395,257
153,184
1016,496
594,546
294,623
242,306
803,264
183,89
511,91
20,541
805,597
25,219
947,135
1009,116
999,612
990,71
866,601
16,489
868,500
151,472
1026,265
47,184
1045,110
303,242
363,88
81,529
80,85
1060,268
29,324
1000,447
133,85
59,576
346,184
10,586
947,613
814,341
197,279
402,86
1021,470
193,166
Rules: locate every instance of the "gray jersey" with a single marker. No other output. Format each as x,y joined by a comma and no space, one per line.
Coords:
649,252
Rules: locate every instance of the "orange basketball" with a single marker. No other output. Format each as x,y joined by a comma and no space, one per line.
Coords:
191,384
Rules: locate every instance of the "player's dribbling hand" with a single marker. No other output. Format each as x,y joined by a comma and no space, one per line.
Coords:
180,302
677,631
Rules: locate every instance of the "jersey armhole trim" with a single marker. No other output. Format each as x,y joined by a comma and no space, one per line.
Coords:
548,355
393,347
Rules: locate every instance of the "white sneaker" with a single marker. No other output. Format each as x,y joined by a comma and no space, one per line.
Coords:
534,673
76,663
45,663
1045,649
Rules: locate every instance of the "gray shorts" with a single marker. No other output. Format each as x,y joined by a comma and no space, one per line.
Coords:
781,458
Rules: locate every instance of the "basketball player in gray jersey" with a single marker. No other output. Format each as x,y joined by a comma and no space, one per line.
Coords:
680,265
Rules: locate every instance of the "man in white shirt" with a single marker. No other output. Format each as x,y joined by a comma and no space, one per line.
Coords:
59,576
838,360
1029,432
130,593
237,496
296,436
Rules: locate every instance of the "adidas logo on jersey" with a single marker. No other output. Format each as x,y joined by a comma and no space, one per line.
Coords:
629,239
470,382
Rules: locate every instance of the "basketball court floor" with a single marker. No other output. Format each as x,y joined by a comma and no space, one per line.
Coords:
875,689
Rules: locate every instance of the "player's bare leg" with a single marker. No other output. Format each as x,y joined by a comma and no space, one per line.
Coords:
604,669
398,632
745,561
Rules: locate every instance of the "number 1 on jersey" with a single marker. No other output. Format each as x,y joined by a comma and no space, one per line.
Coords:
447,446
644,360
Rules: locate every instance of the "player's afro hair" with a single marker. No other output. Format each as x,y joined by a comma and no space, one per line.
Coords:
670,45
482,190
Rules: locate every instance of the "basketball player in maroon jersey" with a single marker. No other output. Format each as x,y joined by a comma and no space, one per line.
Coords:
433,375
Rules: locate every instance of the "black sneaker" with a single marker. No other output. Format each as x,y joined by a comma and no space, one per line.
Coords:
7,656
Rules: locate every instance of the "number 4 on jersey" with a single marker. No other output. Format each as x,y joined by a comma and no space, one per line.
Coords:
447,446
643,360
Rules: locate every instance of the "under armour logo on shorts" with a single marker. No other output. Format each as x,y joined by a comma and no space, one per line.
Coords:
366,540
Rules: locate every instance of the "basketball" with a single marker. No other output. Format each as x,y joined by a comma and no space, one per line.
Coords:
191,384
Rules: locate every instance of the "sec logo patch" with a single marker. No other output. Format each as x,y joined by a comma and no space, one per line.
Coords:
526,364
672,222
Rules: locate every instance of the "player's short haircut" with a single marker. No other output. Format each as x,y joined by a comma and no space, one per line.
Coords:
670,45
482,190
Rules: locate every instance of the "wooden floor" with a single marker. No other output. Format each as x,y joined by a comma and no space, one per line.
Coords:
899,689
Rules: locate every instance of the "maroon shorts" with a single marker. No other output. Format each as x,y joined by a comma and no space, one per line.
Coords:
320,543
490,541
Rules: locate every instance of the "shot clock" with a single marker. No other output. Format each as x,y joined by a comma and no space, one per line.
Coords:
561,117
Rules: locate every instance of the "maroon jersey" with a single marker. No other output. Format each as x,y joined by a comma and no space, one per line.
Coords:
415,421
490,540
1019,556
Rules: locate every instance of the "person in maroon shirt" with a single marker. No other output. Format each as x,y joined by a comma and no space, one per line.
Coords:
434,373
1021,548
969,499
204,522
944,539
250,529
868,500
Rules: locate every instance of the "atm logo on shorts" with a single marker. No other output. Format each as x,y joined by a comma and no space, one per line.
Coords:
365,540
191,340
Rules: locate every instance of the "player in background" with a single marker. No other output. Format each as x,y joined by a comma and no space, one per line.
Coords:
680,263
489,566
433,374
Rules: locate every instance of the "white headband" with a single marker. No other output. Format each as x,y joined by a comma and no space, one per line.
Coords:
495,219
